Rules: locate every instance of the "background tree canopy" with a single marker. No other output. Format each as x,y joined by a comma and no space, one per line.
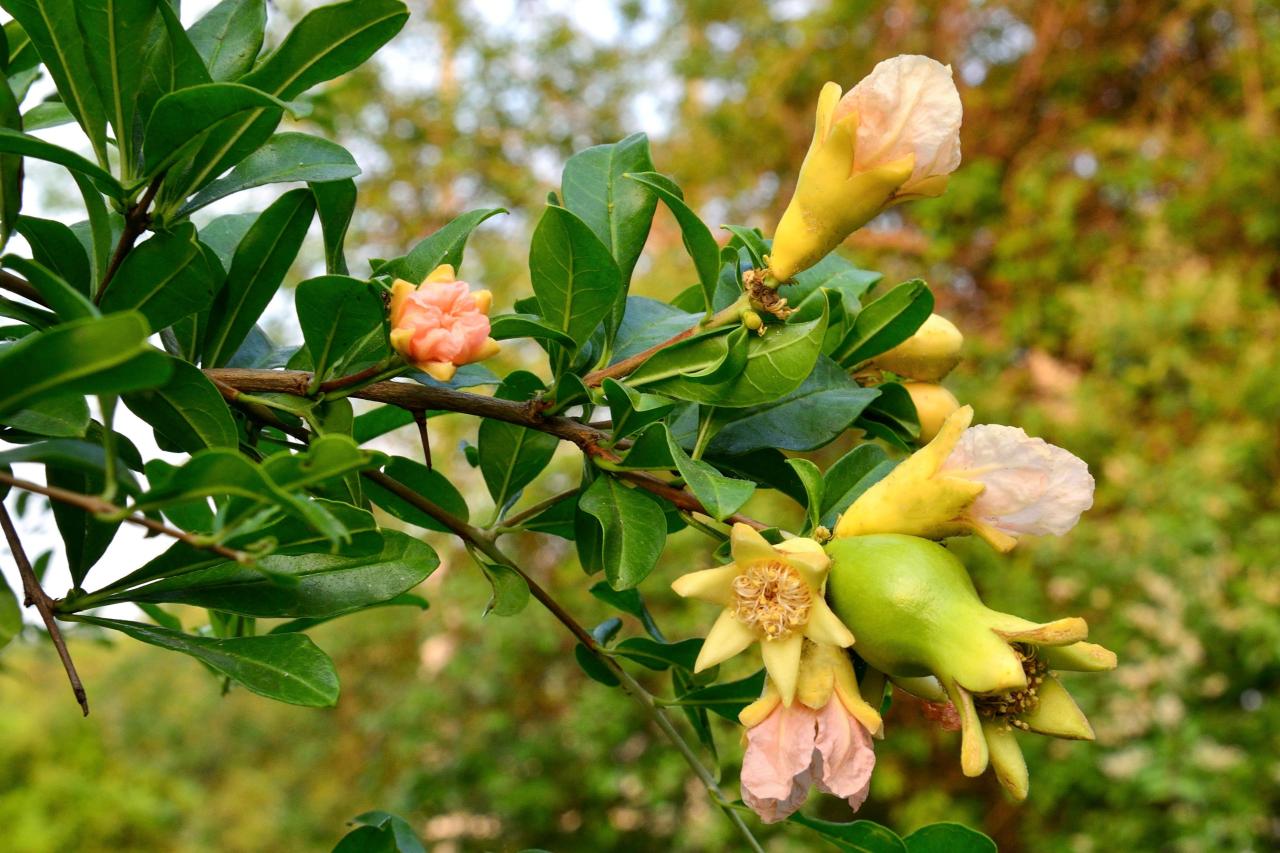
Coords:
1109,247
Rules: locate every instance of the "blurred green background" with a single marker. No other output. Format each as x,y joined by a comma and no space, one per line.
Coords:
1109,247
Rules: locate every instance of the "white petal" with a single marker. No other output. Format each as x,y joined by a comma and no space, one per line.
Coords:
906,105
726,638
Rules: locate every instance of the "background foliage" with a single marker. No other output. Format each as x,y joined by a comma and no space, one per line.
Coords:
1108,247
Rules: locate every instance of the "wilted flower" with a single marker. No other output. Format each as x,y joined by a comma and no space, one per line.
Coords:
928,355
824,737
991,480
917,614
894,136
440,324
769,593
934,404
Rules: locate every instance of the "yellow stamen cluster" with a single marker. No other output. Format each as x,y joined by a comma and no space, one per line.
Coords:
771,597
1007,707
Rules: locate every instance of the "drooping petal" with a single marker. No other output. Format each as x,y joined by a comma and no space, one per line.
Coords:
973,745
825,626
782,662
726,638
713,585
776,767
847,757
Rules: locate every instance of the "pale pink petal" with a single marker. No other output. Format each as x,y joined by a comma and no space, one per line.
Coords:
776,767
906,105
846,757
1032,487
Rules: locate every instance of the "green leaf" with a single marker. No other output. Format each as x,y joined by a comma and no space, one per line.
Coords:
257,269
555,520
892,416
851,475
337,314
106,355
316,585
575,278
948,838
188,411
58,417
698,240
776,365
286,157
286,667
165,279
628,601
56,35
424,481
859,836
170,63
405,839
336,203
380,421
67,302
84,538
720,496
660,656
22,53
808,418
443,247
727,698
10,164
510,591
512,456
118,35
403,600
45,115
886,322
13,142
617,210
10,614
98,233
811,477
633,410
751,240
504,327
82,457
229,37
181,119
55,246
633,530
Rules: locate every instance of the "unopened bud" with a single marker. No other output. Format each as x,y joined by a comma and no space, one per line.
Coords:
751,320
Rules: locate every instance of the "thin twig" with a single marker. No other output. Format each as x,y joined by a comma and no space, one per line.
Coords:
22,287
97,506
420,418
340,382
136,222
37,597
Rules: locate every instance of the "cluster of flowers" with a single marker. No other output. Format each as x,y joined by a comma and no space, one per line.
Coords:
883,587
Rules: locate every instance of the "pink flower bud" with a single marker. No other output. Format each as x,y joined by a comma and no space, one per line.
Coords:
440,324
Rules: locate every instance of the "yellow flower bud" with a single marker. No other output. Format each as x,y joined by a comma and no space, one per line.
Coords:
928,355
934,404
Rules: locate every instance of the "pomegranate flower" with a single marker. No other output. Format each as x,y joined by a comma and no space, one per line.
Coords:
440,324
823,738
771,594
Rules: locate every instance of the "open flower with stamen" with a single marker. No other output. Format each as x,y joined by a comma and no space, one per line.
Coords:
919,620
771,594
822,738
992,480
441,324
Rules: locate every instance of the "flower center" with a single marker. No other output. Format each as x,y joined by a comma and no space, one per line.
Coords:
771,597
1006,707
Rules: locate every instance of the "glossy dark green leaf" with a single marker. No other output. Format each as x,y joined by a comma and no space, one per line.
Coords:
22,53
633,530
182,118
617,210
286,667
648,322
165,279
948,838
322,585
337,313
56,247
555,520
511,456
117,33
13,142
57,417
442,247
67,302
97,234
631,410
727,698
628,601
106,355
507,326
859,836
405,839
886,322
811,477
892,416
84,457
170,62
720,496
698,240
57,37
187,410
229,36
751,240
808,418
429,483
45,115
10,164
574,276
851,475
257,269
84,537
335,203
380,421
285,157
660,656
510,591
